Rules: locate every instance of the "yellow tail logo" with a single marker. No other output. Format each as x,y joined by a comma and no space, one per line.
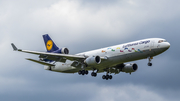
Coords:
49,45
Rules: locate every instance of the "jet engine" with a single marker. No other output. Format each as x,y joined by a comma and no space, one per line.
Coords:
128,68
47,67
64,50
93,60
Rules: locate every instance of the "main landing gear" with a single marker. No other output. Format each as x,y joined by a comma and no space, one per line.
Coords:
107,76
82,72
149,63
94,74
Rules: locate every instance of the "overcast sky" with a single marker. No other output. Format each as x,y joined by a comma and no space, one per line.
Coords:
83,25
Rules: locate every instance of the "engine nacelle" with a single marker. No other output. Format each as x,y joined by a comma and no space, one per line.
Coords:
128,68
47,67
64,50
94,60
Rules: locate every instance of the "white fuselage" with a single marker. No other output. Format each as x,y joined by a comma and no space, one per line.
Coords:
118,54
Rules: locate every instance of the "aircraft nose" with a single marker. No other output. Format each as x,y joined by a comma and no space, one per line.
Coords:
166,45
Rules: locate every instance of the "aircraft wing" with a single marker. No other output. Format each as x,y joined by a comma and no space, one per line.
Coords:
51,56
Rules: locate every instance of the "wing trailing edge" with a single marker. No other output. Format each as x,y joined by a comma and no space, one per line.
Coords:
40,62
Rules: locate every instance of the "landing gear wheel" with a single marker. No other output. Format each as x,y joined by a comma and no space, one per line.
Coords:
110,77
93,74
103,77
107,77
83,72
86,72
80,72
149,64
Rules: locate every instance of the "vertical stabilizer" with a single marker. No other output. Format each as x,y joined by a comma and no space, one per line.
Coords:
49,44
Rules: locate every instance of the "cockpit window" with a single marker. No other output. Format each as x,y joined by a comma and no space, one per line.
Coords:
160,41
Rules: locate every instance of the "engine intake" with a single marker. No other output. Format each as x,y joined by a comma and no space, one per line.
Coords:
64,50
94,60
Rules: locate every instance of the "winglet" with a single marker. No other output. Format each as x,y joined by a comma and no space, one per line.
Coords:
14,47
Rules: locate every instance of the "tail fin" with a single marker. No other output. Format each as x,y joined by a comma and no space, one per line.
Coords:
50,45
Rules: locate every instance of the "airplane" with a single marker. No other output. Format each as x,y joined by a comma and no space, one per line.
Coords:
111,60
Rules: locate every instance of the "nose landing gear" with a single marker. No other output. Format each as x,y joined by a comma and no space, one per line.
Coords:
149,63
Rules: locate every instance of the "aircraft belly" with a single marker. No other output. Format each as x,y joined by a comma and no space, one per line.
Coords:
64,68
158,51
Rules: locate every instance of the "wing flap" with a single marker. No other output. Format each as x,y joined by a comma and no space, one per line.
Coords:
40,62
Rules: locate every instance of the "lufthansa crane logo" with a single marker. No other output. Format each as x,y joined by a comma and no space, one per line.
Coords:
49,45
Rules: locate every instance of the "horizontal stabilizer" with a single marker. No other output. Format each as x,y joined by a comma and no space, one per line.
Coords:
40,62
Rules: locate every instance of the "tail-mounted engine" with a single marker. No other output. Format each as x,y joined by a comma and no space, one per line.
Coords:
47,58
62,51
94,60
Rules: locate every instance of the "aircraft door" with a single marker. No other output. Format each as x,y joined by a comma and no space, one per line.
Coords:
151,45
